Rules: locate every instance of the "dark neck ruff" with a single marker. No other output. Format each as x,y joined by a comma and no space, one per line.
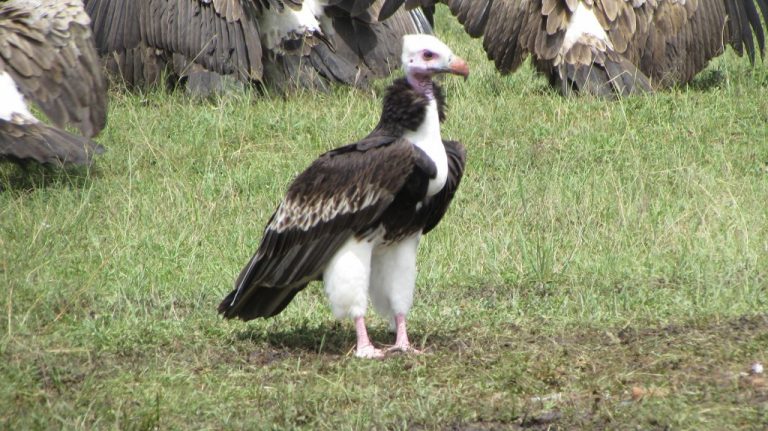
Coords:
405,108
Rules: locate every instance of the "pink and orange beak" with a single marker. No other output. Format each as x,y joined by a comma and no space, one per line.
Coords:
458,66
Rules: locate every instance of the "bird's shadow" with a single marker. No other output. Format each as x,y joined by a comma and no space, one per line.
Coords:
708,80
25,176
328,337
333,338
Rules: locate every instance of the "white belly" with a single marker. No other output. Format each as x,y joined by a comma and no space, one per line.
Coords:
427,137
386,271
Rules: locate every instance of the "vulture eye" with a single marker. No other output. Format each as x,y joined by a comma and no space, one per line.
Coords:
428,55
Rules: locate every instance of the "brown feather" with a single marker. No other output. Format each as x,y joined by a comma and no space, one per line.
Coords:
610,8
547,6
548,46
557,19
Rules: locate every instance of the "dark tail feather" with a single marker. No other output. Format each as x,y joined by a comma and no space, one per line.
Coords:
429,13
754,21
743,19
45,144
389,8
288,73
610,75
335,67
423,19
257,302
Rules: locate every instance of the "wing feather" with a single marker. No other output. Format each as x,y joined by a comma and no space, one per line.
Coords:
502,26
683,36
438,204
222,36
411,212
49,53
115,24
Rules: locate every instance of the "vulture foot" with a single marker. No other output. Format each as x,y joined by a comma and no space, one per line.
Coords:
404,349
364,347
368,352
401,341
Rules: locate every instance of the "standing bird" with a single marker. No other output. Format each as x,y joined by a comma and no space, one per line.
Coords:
607,47
47,55
354,218
279,43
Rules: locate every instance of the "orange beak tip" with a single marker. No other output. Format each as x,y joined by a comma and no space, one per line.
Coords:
459,67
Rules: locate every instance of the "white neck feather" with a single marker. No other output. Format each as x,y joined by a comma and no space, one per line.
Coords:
427,137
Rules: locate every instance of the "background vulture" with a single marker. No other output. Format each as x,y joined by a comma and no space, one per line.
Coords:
280,43
47,55
607,47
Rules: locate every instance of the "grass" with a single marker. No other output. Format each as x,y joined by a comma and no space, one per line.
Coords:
604,265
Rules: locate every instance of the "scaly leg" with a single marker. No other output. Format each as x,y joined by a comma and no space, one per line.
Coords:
365,348
401,341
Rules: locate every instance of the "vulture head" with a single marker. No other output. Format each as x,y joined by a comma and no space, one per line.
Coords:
425,56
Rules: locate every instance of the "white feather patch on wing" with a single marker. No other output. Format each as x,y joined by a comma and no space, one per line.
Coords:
13,108
276,27
584,23
295,214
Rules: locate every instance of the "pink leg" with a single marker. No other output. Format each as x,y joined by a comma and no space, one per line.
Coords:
401,341
364,347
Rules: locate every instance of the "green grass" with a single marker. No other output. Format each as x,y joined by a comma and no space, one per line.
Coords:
594,248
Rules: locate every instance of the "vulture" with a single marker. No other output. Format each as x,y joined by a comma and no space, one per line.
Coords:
354,217
607,47
282,44
47,56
